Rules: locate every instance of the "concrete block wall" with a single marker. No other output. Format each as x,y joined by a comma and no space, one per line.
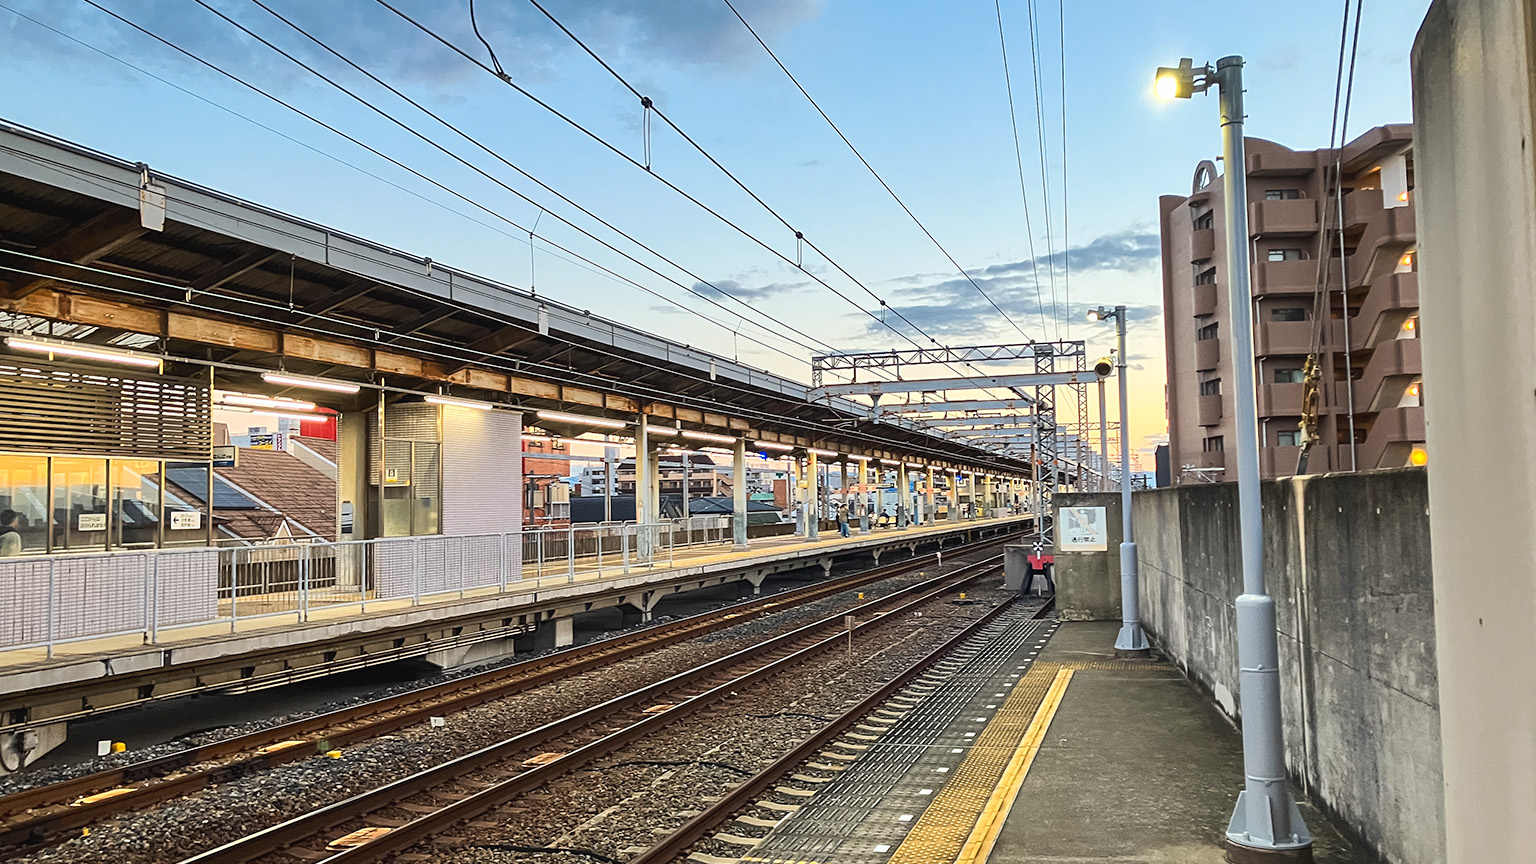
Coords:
1347,560
1088,583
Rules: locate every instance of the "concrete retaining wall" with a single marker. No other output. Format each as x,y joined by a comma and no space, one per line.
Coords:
1088,583
1348,562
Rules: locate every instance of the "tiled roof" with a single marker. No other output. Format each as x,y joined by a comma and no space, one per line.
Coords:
324,446
294,489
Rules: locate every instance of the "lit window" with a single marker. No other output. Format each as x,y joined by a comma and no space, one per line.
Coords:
1285,254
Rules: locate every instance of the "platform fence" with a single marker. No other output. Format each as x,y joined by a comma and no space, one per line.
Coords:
57,599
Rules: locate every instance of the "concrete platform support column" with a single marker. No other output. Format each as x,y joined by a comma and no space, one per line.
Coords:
1474,115
863,496
796,496
812,498
903,496
739,496
954,496
554,633
645,507
929,505
842,483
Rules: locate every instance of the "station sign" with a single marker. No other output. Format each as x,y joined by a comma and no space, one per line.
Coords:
1083,529
226,456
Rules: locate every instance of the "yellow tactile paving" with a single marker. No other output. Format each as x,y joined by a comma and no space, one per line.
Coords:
940,835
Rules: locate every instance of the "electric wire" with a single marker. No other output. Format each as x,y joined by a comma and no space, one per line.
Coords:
871,168
689,197
1324,246
1045,183
1066,240
495,155
1018,153
316,120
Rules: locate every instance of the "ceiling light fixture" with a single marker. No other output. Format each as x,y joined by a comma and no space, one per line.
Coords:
600,422
85,352
456,402
286,380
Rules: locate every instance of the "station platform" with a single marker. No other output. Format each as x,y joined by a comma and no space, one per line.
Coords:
1048,752
80,678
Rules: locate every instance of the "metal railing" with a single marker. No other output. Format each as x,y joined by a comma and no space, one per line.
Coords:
56,599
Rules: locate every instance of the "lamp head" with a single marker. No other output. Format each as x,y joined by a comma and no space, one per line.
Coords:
1104,366
1101,314
1176,82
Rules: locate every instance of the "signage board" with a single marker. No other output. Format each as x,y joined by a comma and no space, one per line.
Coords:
183,520
93,522
264,442
1082,529
226,456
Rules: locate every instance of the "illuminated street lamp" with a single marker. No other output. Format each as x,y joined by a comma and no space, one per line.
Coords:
1266,822
1131,642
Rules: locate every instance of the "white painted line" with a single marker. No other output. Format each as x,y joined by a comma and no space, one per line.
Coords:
925,792
941,770
905,817
882,847
958,750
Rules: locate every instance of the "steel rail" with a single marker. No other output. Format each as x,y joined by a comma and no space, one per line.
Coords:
299,829
382,716
746,793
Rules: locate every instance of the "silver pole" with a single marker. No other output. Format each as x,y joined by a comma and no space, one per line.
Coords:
1132,642
1266,816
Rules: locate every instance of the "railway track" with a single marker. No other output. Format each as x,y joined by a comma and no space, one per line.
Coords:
36,817
745,795
447,795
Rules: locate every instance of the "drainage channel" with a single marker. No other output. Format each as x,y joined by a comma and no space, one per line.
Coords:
866,810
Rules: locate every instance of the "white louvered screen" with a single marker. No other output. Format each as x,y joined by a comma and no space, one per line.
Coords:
482,471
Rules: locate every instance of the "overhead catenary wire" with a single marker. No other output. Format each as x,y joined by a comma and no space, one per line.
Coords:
865,162
399,164
1045,183
1018,153
686,195
1066,239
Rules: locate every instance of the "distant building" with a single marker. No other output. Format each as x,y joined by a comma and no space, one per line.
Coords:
1371,381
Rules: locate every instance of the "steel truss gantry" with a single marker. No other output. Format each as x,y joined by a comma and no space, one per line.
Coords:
1049,365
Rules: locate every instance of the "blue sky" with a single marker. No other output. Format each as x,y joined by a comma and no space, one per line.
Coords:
917,86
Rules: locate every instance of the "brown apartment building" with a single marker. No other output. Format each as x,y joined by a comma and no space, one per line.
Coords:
1369,381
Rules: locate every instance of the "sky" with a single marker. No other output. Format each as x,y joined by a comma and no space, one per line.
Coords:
917,87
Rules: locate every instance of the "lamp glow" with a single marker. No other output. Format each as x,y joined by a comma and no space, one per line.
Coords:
1418,457
1167,86
85,352
286,380
827,453
769,445
454,401
577,419
708,436
249,401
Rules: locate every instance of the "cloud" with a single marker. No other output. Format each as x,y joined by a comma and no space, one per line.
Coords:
631,34
948,307
746,293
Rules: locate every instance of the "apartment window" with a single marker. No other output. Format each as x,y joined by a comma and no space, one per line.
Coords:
1285,254
1205,220
1288,438
1282,194
1207,332
1206,277
1211,387
1290,375
1288,313
1213,444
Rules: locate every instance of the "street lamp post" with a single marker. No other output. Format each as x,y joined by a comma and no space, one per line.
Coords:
1132,641
1266,824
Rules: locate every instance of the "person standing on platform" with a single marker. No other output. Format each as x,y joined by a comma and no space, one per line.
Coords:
10,538
842,519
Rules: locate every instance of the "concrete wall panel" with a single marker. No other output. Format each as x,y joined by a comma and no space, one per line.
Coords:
1348,563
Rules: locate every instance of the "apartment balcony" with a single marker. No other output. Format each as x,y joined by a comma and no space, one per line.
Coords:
1205,299
1208,409
1273,338
1280,461
1387,235
1296,216
1202,245
1393,365
1392,437
1280,400
1207,354
1280,163
1289,277
1359,206
1392,300
1213,459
